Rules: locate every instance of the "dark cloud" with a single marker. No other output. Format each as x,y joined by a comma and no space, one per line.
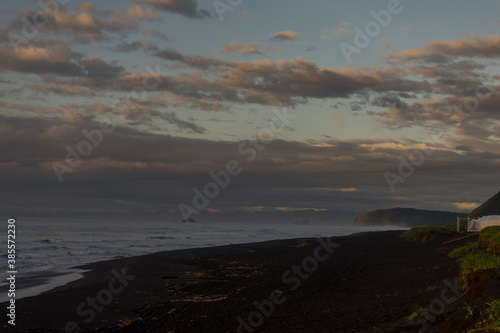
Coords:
170,54
97,68
268,83
284,35
429,87
134,170
308,46
186,8
190,127
355,106
450,112
134,46
390,101
200,62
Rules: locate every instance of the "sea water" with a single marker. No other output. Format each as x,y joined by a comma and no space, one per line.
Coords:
47,249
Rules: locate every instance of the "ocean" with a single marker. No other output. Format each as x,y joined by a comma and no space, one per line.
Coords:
47,249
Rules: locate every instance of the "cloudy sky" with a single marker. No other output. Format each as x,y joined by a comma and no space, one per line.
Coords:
112,108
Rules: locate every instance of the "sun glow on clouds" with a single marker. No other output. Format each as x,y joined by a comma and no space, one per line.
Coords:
395,145
466,206
33,53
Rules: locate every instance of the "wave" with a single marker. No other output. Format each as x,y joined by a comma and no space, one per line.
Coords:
160,237
50,241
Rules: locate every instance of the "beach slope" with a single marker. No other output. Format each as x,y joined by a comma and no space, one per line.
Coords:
369,282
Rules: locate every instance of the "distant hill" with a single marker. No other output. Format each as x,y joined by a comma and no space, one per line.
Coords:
490,207
406,217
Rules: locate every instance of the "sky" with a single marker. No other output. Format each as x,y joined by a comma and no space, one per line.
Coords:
170,109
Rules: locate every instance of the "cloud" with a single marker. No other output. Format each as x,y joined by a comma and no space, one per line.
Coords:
390,100
87,24
125,20
329,33
308,46
56,59
284,82
284,35
132,165
347,189
182,125
249,48
466,206
385,43
36,109
200,62
97,68
195,103
140,13
416,87
453,112
39,60
64,91
75,21
153,33
83,26
262,81
186,8
134,46
220,83
444,51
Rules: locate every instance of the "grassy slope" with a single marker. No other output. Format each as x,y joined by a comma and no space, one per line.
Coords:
407,217
477,257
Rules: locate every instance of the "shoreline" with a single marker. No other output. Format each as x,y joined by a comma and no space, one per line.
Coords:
38,283
371,277
42,281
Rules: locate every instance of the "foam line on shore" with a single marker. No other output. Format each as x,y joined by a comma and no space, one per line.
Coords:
57,279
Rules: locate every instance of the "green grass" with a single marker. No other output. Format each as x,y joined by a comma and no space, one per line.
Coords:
478,256
473,262
490,319
491,230
416,312
430,288
423,234
481,260
463,250
489,239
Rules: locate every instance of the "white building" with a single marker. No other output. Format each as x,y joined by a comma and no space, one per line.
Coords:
476,225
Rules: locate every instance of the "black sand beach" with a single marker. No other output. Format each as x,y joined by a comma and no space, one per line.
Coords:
371,283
